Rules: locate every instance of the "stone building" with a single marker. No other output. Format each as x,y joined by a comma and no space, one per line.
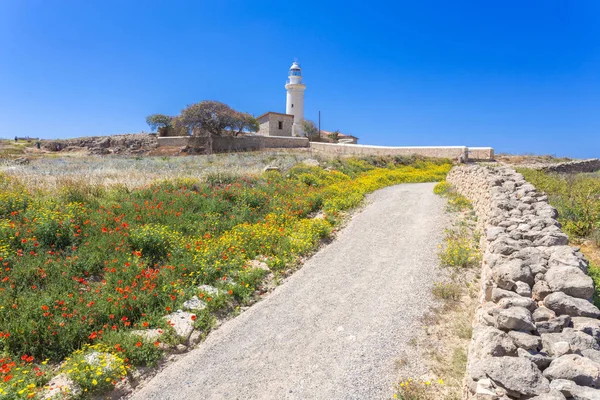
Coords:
275,124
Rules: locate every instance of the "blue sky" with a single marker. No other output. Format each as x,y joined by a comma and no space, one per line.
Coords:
521,76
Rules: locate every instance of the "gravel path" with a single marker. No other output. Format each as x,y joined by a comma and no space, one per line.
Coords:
339,327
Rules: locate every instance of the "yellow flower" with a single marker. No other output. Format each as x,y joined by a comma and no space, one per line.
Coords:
94,382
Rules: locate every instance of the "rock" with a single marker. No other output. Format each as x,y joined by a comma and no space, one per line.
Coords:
486,389
517,301
258,264
541,360
571,390
271,168
504,245
591,326
553,325
493,232
515,374
563,256
525,340
182,323
150,335
498,294
506,274
209,290
570,280
543,314
104,143
593,355
489,341
551,395
578,341
59,386
555,239
195,338
180,348
522,289
540,290
194,304
515,318
576,368
311,162
530,255
562,303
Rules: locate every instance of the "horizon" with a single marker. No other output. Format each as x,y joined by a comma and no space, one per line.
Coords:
521,78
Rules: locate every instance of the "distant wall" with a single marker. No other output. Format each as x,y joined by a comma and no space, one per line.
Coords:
339,149
241,143
591,165
481,153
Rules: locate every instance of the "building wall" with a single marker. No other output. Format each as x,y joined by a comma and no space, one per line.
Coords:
240,143
286,129
338,149
264,127
481,153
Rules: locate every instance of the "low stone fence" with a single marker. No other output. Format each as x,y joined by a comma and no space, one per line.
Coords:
536,332
242,143
591,165
340,149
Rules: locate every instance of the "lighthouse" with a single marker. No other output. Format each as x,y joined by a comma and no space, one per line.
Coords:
295,98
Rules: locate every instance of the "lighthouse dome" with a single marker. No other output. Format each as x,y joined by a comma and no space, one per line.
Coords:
295,69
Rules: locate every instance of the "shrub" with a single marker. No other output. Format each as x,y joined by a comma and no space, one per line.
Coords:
459,250
446,291
95,368
441,188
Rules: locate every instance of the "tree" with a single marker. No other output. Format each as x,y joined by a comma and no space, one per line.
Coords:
156,121
243,122
335,136
311,131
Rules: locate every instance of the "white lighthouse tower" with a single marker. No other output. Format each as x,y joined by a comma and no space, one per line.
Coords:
295,98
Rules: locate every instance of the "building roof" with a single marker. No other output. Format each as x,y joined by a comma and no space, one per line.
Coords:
275,113
340,135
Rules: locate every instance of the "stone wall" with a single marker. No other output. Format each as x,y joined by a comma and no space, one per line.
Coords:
536,332
339,149
241,143
591,165
481,153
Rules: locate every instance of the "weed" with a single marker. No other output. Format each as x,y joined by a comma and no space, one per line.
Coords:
460,249
446,291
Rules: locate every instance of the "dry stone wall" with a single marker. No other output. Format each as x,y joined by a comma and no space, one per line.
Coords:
536,333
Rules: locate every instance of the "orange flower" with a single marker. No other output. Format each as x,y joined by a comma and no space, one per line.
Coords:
138,344
193,317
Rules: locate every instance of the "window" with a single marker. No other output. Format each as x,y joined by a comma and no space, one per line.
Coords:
292,106
280,124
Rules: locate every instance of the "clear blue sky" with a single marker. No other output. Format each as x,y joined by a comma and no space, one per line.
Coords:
521,76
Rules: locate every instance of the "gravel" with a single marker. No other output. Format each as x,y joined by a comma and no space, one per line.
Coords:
340,327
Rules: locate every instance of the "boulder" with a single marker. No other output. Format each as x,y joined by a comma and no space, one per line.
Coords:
551,395
506,274
182,322
593,355
581,370
540,290
517,301
591,326
211,290
489,341
525,340
543,314
570,280
493,233
578,341
541,360
499,294
522,288
515,318
562,303
504,245
571,390
194,304
563,256
515,374
60,387
553,325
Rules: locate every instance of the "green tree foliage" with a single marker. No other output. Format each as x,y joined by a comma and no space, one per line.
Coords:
216,119
157,121
311,131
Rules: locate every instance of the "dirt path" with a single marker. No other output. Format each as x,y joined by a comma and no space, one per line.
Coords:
338,328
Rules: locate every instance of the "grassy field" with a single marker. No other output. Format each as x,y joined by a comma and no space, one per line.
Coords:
577,199
93,248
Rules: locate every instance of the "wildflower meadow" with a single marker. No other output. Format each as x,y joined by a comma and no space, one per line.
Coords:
84,265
